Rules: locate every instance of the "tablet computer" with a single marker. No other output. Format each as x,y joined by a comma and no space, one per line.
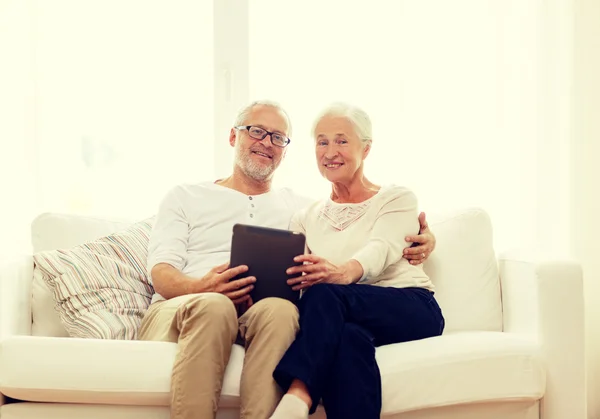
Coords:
268,253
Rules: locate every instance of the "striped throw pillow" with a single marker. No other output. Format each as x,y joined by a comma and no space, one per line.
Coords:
101,288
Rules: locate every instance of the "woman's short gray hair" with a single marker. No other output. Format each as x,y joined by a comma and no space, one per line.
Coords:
357,117
242,116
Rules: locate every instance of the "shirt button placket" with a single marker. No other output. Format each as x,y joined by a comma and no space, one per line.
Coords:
251,208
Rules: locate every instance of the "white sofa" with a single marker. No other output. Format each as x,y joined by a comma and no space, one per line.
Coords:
513,346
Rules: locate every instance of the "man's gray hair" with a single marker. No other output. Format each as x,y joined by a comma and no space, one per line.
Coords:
357,117
242,116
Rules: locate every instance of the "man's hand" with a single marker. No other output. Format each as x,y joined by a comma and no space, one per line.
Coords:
218,279
423,244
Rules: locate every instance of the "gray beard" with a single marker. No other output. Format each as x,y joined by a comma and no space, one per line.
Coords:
256,171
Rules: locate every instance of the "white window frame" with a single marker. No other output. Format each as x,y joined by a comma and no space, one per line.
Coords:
231,74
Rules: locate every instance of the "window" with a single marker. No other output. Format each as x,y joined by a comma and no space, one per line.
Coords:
133,97
124,102
451,91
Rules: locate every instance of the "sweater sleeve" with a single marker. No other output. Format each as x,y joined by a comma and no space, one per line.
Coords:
169,237
297,222
397,219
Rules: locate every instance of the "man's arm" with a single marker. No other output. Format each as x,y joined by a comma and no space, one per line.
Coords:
168,247
169,237
167,252
423,244
171,282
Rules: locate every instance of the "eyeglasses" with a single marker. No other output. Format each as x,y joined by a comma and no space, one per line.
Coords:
258,133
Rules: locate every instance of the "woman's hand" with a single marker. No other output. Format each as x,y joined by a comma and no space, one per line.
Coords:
318,270
315,270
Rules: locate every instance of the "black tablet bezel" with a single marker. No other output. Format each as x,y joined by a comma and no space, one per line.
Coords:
267,252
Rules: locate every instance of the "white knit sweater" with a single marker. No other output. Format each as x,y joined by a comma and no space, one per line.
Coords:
372,232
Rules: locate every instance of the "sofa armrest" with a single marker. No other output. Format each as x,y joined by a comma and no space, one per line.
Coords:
544,300
15,296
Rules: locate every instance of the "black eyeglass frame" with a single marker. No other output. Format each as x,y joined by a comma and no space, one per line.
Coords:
269,133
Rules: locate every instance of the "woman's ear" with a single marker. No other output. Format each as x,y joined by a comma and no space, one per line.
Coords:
366,149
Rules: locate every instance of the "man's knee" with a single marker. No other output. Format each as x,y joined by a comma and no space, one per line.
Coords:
208,307
275,314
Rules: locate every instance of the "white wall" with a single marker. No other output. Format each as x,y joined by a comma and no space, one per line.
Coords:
17,167
585,178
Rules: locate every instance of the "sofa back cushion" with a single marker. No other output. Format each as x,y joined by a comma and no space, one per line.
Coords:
463,267
464,270
51,231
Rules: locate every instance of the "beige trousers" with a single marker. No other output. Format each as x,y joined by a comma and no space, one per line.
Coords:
205,326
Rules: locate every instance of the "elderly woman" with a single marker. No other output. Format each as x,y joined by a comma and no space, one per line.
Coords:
359,292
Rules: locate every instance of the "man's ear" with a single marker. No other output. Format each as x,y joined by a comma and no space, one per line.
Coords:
232,137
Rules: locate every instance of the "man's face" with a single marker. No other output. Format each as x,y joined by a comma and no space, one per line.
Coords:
258,159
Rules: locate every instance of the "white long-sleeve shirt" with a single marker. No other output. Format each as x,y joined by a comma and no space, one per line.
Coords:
193,227
372,232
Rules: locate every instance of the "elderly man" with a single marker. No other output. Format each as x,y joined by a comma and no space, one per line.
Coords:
196,305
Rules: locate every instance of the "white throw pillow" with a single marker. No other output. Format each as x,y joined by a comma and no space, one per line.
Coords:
101,288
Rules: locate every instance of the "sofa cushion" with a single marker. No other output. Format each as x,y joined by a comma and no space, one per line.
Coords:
451,369
51,231
463,267
45,320
464,270
101,287
116,371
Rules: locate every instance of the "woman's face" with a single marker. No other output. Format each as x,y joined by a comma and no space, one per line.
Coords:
340,153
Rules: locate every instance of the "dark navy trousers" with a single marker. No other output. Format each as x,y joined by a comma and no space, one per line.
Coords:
340,327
